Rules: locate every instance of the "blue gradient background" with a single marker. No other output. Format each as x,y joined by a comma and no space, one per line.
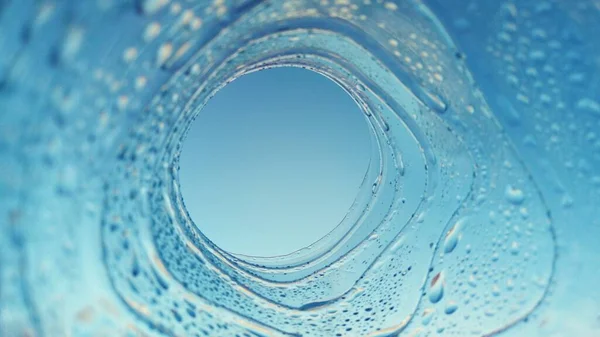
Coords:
274,161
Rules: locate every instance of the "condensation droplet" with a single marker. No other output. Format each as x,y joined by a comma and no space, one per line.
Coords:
151,31
452,237
434,102
427,316
150,7
451,308
436,288
514,195
588,104
163,54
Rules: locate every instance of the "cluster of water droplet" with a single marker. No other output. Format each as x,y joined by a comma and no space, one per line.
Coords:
450,234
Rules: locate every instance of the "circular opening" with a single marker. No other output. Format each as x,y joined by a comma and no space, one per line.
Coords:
274,161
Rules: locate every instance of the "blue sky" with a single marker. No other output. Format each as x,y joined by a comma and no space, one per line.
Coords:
274,161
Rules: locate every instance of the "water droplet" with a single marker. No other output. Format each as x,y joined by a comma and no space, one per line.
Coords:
452,237
130,55
514,195
472,281
150,7
566,201
495,290
537,55
514,248
376,184
588,104
427,316
385,126
72,42
140,82
436,289
433,101
163,54
510,284
451,308
391,6
44,13
151,31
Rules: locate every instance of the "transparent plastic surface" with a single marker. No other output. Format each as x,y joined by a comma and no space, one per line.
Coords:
478,216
